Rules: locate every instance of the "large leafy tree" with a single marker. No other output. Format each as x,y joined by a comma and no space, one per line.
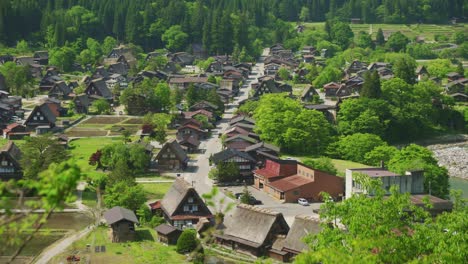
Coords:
397,42
386,229
175,38
18,79
371,87
124,194
39,152
355,147
286,123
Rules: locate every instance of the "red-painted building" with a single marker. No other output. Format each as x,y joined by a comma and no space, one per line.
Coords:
289,180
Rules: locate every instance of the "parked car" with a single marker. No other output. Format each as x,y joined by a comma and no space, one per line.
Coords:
254,201
302,201
238,195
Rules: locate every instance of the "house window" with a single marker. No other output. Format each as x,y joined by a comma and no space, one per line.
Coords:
4,163
190,199
186,208
41,118
244,167
131,227
195,208
37,113
35,118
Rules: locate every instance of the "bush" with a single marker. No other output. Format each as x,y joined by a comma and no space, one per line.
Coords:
187,241
155,221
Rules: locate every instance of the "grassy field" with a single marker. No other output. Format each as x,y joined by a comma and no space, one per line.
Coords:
145,250
81,150
428,31
155,190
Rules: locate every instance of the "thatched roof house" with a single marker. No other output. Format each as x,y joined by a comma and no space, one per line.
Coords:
252,230
122,223
182,207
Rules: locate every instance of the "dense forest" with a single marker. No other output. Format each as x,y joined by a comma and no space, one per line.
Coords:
221,26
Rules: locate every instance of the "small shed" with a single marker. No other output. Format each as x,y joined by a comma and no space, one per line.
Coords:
122,224
168,234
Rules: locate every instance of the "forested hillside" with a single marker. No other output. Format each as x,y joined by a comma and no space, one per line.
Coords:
220,25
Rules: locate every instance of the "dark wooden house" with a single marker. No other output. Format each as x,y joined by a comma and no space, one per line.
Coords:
168,234
251,230
60,90
41,115
244,161
10,167
171,156
122,224
98,89
182,207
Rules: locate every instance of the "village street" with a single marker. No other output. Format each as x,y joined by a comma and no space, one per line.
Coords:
199,176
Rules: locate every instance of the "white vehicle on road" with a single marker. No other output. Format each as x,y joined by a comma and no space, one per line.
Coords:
302,201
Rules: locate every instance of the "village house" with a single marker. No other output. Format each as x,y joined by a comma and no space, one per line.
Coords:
10,156
189,115
289,180
241,119
82,103
41,57
181,58
125,52
262,151
453,76
248,127
183,82
48,81
244,161
60,90
308,94
171,157
40,116
122,224
15,131
205,105
251,230
34,68
181,206
100,73
331,89
235,130
422,73
118,68
293,244
168,234
98,89
457,86
269,85
355,67
239,142
189,143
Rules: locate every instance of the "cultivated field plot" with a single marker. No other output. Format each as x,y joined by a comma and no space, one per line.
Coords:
428,31
99,126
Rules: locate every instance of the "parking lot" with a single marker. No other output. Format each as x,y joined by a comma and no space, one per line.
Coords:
289,210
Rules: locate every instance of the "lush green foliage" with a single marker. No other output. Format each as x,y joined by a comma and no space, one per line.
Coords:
323,163
286,123
383,230
355,146
187,241
130,196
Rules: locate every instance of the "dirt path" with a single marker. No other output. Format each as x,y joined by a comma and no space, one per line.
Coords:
61,246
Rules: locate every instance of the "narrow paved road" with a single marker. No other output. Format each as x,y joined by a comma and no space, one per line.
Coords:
199,177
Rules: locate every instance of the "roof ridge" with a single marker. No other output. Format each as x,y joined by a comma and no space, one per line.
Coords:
258,209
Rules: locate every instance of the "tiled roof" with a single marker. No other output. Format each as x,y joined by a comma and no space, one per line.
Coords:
290,183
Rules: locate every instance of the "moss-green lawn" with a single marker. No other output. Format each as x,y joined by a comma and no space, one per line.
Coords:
145,250
155,190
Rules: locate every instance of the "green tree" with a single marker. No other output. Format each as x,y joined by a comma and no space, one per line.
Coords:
286,123
355,147
228,171
175,38
22,47
246,196
405,68
125,195
305,14
108,44
18,79
283,73
101,106
53,186
371,87
63,58
328,74
397,42
39,152
364,40
439,67
191,96
187,241
380,39
323,163
341,34
380,154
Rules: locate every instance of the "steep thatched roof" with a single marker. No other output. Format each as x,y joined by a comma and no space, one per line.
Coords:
302,226
175,195
251,225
